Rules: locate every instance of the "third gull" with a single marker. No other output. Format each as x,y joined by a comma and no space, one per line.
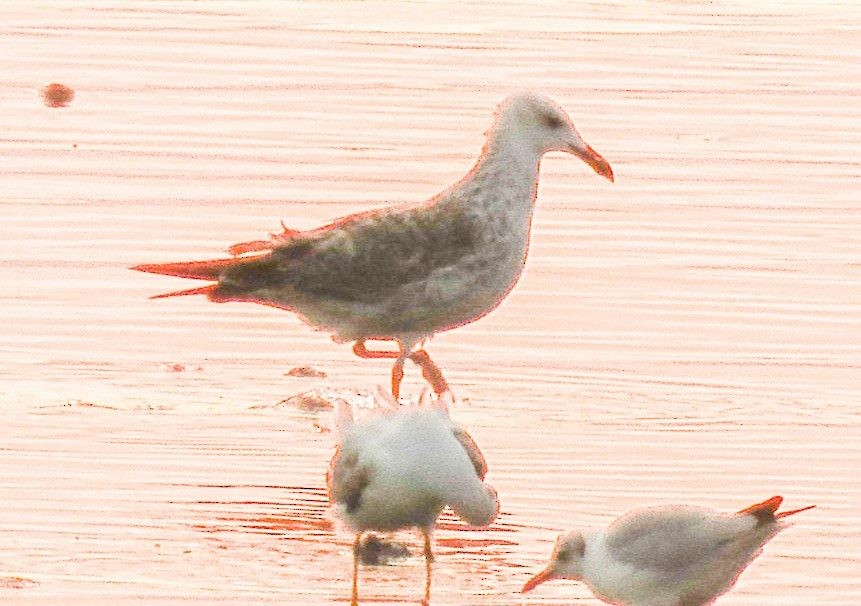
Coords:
666,556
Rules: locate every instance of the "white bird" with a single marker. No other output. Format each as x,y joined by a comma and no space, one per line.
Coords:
666,556
404,273
401,467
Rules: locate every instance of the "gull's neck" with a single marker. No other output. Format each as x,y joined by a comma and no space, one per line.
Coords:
504,180
508,148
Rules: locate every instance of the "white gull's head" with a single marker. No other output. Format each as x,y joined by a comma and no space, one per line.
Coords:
541,125
565,563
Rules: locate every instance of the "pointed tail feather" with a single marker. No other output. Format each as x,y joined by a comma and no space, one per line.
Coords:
201,290
784,514
766,508
198,270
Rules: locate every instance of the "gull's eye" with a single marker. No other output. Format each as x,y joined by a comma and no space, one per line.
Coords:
551,121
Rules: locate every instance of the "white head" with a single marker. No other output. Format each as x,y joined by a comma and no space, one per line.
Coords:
538,120
565,563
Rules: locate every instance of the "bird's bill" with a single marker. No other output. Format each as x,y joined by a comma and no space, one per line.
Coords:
545,575
594,159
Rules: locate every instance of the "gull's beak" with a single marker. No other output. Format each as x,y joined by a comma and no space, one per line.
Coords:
544,575
593,159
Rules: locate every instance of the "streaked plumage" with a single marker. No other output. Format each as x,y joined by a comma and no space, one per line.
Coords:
401,467
666,556
406,272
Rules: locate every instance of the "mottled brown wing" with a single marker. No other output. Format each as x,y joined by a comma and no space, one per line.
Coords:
472,451
367,260
347,479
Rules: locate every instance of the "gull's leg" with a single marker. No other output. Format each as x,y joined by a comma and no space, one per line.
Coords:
428,560
355,597
397,370
397,376
430,371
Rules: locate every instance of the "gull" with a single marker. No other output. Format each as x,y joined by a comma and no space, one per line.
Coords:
666,556
399,469
406,272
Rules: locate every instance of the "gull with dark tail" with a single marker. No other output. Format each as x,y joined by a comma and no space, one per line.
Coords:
404,273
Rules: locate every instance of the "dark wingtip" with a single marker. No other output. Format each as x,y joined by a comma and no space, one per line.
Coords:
201,290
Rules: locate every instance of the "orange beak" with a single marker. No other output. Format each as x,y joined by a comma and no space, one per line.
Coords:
544,575
596,161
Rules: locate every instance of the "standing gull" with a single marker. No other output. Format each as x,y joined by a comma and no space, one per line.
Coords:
666,556
401,467
406,272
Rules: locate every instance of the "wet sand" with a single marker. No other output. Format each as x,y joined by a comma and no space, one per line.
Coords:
687,334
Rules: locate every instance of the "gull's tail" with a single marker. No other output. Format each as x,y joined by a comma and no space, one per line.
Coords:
200,290
784,514
768,509
197,270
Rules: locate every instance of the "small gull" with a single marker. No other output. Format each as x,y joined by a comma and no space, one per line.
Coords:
666,556
400,467
405,272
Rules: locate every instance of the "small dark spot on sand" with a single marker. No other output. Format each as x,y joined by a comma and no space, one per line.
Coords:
309,401
306,371
57,95
16,583
75,403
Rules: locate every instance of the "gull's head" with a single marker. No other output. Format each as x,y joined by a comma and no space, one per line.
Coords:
538,121
565,563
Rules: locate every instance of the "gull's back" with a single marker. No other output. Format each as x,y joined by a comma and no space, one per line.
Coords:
674,556
384,273
409,464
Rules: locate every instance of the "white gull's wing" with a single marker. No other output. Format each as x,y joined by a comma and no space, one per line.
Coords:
671,542
471,449
347,479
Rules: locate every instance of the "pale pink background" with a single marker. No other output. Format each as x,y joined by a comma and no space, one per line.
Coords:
688,334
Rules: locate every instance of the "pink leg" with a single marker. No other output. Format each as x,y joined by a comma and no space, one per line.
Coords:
397,370
428,560
430,371
355,597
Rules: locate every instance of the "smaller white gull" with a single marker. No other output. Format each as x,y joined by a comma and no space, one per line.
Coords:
666,556
399,469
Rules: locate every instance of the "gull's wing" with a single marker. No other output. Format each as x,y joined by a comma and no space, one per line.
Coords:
668,542
347,478
361,258
472,451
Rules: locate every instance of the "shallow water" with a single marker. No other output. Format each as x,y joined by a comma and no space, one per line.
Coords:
687,334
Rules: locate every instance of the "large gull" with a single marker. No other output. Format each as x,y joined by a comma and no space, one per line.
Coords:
405,272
